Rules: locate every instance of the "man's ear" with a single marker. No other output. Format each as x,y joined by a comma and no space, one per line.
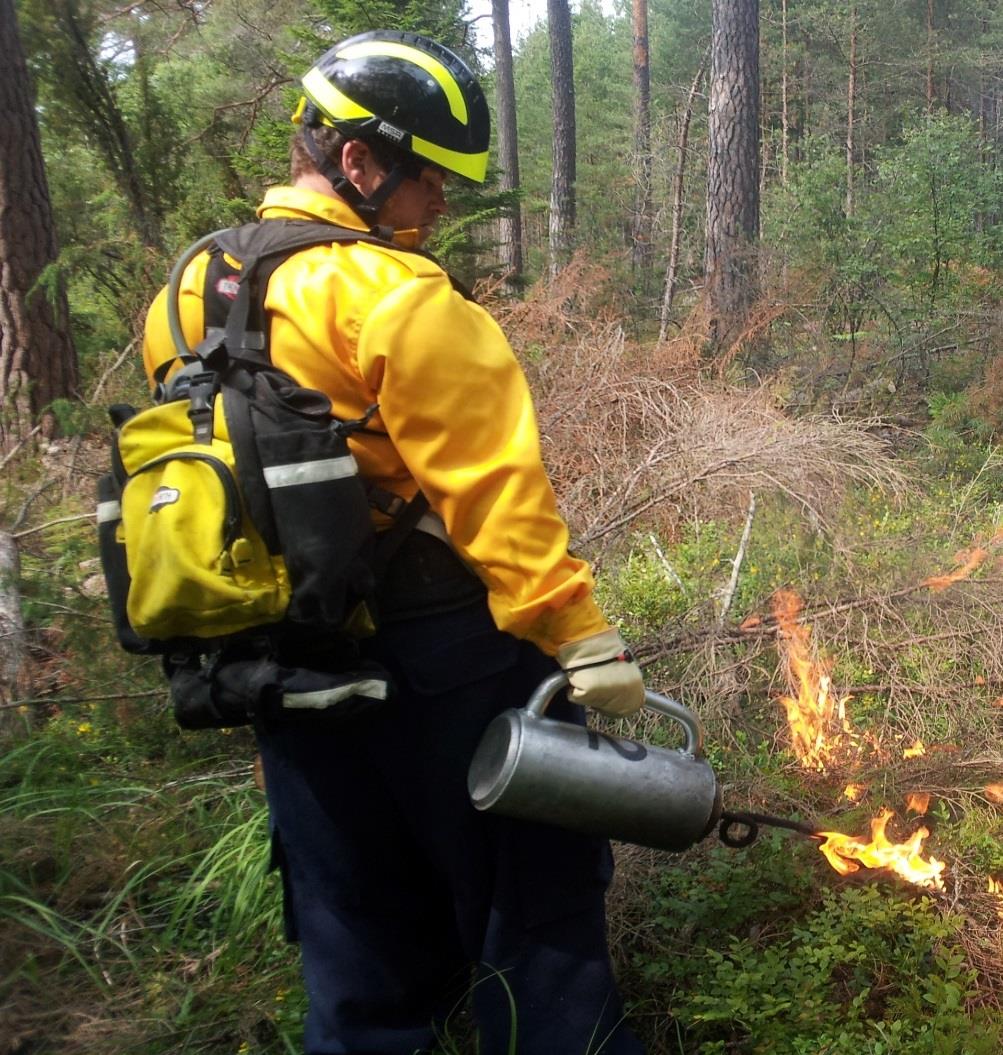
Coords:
358,165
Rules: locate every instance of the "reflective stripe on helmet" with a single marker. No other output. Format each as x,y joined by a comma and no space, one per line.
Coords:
432,66
333,102
473,166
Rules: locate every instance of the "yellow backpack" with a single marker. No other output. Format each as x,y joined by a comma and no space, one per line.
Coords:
234,527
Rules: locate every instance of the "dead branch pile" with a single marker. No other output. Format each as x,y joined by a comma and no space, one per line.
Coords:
629,441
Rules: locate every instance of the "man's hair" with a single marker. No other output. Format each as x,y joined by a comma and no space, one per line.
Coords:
331,142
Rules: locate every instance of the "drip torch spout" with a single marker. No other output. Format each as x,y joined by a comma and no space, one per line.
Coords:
731,834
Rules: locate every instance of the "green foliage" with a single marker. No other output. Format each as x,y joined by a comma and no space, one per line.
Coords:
439,20
168,907
917,253
862,972
937,202
761,960
958,444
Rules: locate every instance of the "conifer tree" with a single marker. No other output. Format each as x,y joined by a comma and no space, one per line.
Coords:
562,188
37,358
733,164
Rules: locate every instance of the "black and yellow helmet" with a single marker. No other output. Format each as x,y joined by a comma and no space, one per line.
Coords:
406,90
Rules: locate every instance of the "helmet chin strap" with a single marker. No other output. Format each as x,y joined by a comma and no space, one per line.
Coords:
366,207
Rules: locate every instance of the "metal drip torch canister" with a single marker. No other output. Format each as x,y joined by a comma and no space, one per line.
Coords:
540,769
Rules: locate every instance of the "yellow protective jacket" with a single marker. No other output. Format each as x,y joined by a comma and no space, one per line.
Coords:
367,324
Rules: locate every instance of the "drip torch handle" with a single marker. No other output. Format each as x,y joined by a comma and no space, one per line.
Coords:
547,689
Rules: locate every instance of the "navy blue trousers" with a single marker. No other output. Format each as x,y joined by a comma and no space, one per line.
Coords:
405,899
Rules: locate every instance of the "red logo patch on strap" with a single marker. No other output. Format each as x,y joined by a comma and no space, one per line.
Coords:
228,286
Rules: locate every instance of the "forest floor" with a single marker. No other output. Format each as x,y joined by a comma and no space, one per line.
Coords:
137,911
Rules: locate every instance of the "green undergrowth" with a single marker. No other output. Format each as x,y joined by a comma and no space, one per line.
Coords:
757,951
144,901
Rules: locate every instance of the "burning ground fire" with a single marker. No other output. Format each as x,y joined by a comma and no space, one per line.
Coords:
821,735
846,853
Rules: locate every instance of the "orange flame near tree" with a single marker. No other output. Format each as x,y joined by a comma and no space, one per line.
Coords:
817,721
846,854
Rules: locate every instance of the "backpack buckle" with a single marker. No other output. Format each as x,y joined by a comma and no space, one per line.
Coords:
201,397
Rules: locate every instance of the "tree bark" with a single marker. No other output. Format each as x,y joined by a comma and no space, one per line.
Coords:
562,188
678,198
641,233
930,95
37,358
785,119
851,101
510,224
733,165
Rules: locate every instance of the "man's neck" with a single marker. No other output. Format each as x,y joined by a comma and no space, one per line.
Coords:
316,182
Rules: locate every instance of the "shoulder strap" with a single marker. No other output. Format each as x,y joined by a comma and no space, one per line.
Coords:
261,247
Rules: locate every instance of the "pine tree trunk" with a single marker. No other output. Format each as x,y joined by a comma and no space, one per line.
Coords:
929,57
785,117
562,188
37,359
851,102
641,233
733,165
510,225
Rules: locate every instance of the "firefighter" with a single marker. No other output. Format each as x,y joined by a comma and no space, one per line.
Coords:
405,900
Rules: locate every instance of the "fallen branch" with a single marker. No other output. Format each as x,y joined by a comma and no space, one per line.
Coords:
58,701
20,443
128,350
54,523
736,564
669,570
761,626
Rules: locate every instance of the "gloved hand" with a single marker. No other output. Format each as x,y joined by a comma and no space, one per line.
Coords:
603,674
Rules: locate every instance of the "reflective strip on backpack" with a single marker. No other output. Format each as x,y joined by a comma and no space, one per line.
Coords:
109,511
310,472
372,688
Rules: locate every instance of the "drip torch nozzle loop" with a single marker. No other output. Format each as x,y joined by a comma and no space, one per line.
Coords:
752,823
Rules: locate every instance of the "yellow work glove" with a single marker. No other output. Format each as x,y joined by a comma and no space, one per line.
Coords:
602,674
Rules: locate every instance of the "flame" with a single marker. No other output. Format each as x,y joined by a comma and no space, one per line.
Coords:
917,750
813,715
918,802
996,887
845,851
967,561
994,793
854,792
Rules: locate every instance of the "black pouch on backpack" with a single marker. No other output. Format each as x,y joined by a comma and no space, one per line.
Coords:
268,693
315,504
